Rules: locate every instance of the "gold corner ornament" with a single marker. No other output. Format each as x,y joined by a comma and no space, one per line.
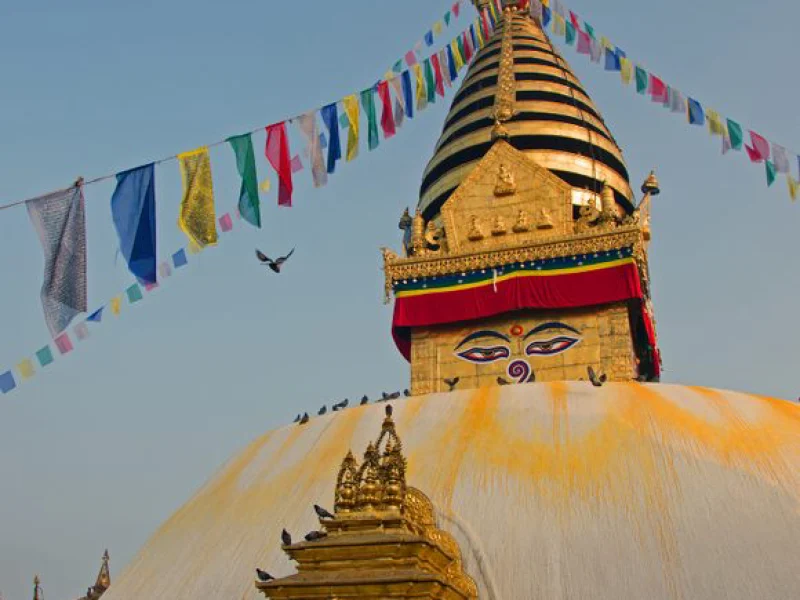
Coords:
382,541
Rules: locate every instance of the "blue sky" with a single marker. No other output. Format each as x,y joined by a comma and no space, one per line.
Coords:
104,445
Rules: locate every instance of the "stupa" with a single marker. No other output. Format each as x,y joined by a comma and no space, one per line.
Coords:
540,457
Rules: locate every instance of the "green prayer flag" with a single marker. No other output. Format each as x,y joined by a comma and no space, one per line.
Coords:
134,293
770,172
430,81
460,43
368,102
249,207
589,29
641,80
569,37
447,18
44,356
736,135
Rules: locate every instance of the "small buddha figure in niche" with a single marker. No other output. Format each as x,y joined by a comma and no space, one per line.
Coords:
505,185
475,233
545,221
522,225
499,226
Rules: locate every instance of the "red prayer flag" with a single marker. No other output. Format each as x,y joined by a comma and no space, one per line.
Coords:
277,153
584,43
658,89
456,8
467,47
485,21
575,21
387,117
760,147
411,58
753,154
437,71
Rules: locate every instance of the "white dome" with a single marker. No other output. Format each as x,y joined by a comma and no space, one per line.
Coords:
555,490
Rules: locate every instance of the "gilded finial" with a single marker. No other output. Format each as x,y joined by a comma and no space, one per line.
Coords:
650,185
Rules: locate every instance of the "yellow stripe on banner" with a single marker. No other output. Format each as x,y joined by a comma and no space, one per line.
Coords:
516,275
197,219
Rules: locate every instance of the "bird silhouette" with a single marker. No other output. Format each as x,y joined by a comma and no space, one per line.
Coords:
364,400
303,420
322,410
313,536
340,405
263,575
597,380
389,410
393,396
384,397
501,381
297,418
286,538
406,393
322,513
276,264
452,383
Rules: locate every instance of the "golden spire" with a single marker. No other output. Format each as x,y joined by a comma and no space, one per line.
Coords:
37,590
104,576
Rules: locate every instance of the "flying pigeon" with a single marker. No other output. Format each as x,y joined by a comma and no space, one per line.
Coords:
322,410
276,264
596,380
313,536
452,383
286,538
364,400
263,575
322,513
501,381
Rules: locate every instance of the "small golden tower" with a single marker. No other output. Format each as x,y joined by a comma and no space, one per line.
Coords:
382,541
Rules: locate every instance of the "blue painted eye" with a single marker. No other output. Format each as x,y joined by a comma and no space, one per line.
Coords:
551,347
484,355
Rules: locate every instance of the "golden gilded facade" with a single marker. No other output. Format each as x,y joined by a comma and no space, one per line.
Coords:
381,541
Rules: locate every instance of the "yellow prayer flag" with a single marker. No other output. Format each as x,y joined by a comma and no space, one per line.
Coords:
559,25
197,219
605,43
265,185
116,303
351,110
793,184
194,247
457,55
422,95
25,369
715,126
626,70
437,28
546,3
478,32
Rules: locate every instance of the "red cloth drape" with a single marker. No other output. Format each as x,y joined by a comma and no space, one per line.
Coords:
277,153
387,115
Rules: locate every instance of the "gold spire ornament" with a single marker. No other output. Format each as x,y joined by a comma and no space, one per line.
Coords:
382,541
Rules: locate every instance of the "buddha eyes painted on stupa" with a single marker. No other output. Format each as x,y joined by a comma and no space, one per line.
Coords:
487,346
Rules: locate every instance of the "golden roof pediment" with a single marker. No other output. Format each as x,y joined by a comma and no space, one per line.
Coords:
507,200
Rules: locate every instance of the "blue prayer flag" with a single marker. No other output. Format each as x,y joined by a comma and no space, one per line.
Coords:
96,316
546,16
408,94
451,63
612,61
696,114
473,37
429,38
133,209
621,53
330,117
7,382
179,258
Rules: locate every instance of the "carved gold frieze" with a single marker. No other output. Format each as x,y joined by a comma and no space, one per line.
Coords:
382,540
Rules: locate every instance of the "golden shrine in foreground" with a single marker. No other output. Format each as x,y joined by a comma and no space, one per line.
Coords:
540,457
